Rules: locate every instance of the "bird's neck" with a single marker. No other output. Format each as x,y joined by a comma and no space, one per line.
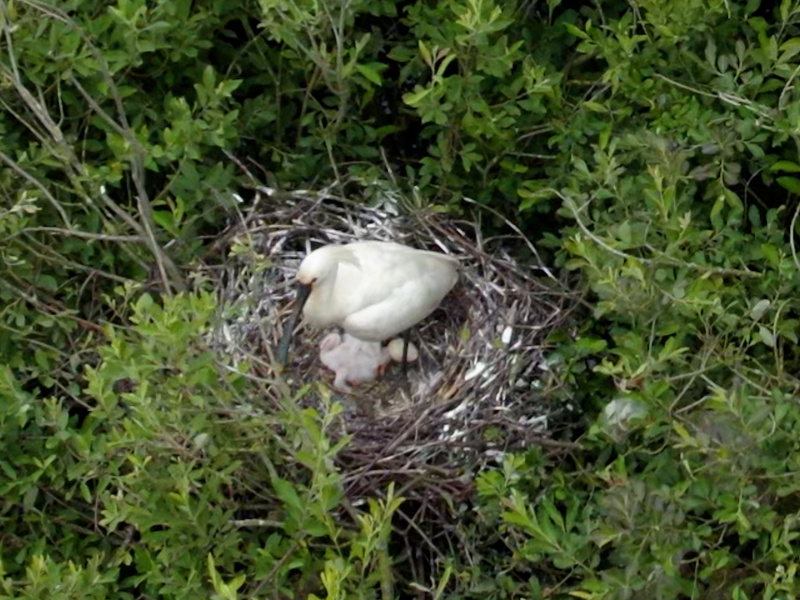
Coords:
322,308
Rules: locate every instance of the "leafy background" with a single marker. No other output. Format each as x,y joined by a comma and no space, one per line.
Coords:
651,147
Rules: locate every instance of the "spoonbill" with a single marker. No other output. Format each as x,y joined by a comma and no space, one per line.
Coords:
372,290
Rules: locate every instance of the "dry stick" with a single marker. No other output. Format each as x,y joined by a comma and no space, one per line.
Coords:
792,234
302,211
34,105
164,262
39,249
241,523
71,175
518,231
30,178
46,308
147,227
43,140
408,431
278,565
710,271
103,237
243,221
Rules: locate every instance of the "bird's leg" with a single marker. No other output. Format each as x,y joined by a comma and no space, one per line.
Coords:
406,384
382,369
406,336
340,384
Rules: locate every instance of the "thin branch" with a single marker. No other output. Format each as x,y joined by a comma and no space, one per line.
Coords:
791,235
35,182
648,261
104,237
169,272
46,252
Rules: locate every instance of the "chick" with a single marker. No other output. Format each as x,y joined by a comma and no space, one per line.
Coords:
352,360
355,361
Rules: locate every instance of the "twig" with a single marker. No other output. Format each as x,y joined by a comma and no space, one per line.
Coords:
709,271
35,182
170,274
103,237
792,234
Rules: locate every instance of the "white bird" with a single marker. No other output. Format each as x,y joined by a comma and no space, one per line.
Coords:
372,290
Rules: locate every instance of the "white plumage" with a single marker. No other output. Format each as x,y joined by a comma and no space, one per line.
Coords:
374,290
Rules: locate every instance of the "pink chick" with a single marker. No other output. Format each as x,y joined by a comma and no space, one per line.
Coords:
352,360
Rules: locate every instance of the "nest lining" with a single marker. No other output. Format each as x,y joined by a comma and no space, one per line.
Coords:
475,390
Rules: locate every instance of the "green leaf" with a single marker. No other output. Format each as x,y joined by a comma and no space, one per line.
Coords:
788,329
786,7
785,165
733,200
288,494
425,53
48,282
682,432
551,6
370,72
711,52
579,33
766,336
591,345
209,78
770,252
759,309
716,213
789,49
595,107
415,98
790,183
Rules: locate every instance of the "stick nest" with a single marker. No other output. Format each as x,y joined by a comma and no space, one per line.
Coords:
478,388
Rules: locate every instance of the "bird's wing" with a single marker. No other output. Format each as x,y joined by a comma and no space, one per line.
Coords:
379,268
413,293
376,274
383,288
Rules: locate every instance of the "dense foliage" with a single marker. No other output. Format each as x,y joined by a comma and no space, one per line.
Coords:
651,147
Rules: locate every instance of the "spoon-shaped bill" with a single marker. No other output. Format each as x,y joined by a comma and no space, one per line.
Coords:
282,355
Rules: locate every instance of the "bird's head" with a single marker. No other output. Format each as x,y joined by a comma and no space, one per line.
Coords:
322,264
316,268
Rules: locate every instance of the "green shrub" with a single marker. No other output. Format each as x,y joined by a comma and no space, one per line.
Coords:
650,148
162,481
683,241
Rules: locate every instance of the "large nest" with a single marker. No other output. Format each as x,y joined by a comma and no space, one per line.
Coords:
476,390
